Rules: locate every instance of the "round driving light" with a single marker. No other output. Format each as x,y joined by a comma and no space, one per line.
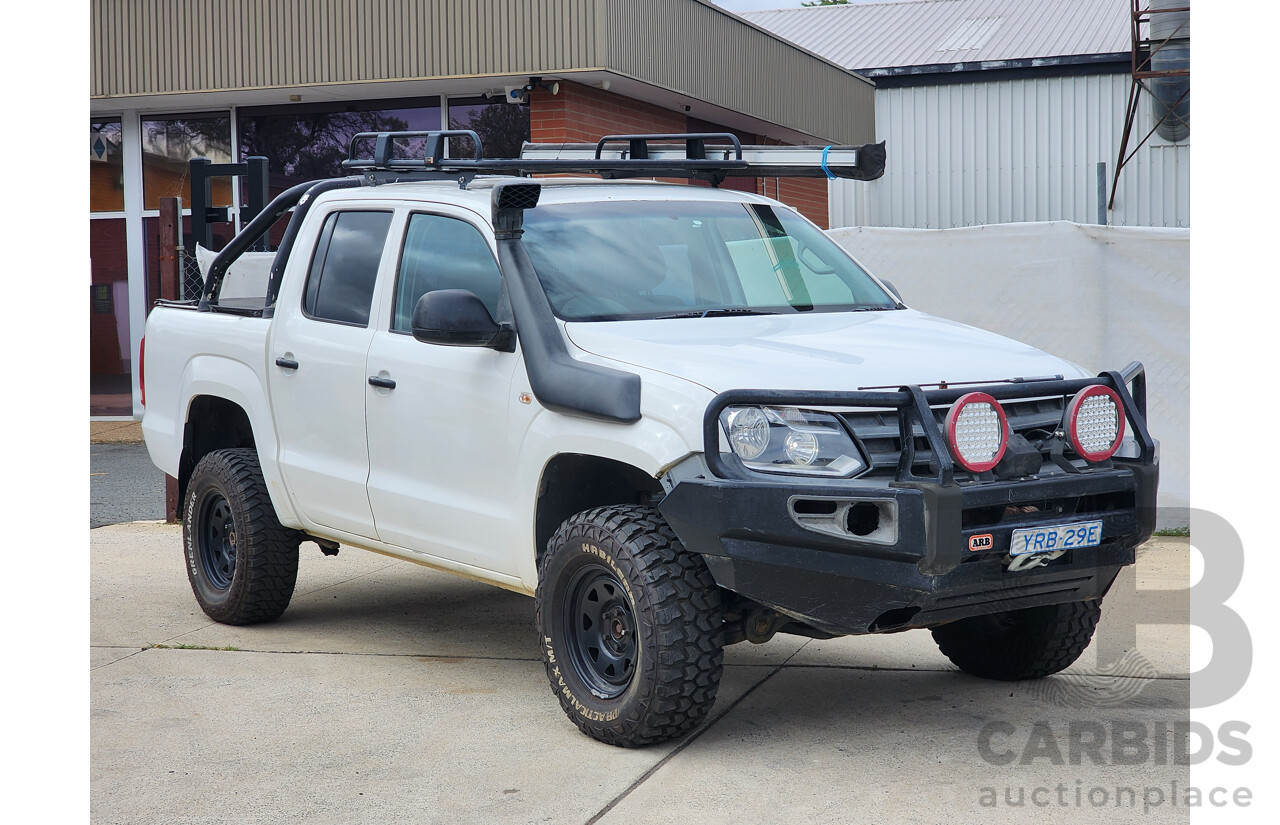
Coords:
1095,423
801,447
977,431
748,432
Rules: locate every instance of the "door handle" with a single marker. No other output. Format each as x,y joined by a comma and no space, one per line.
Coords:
384,383
286,363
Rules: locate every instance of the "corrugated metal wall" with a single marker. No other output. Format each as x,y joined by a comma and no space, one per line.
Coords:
158,46
701,50
1014,150
155,47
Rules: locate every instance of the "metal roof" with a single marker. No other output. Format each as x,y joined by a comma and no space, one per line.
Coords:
166,55
866,36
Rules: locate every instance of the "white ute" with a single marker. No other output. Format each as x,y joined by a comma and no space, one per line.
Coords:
680,417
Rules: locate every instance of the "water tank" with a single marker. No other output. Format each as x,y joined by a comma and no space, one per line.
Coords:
1170,35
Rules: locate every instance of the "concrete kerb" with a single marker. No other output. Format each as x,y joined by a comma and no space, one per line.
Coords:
115,432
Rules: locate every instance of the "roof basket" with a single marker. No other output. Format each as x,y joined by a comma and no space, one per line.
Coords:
711,156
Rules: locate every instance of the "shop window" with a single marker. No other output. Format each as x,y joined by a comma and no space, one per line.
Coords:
502,126
106,166
309,141
109,356
169,144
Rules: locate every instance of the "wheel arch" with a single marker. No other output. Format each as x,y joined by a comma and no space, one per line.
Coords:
212,423
573,482
226,407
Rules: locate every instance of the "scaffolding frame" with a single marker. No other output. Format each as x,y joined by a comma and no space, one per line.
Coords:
1143,46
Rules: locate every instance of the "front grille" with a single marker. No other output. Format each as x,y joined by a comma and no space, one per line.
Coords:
881,440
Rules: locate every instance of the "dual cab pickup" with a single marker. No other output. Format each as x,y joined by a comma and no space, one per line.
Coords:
680,417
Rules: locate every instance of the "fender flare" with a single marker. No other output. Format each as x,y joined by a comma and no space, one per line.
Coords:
236,382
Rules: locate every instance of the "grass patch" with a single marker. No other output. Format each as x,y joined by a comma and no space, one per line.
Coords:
1178,532
188,647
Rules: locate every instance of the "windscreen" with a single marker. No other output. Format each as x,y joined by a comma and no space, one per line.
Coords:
624,260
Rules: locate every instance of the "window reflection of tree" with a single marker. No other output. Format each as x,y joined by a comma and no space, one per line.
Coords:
309,147
185,138
168,144
502,128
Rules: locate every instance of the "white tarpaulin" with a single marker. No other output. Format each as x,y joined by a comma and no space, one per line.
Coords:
245,278
1099,296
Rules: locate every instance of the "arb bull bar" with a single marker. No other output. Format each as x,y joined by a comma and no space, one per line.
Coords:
925,570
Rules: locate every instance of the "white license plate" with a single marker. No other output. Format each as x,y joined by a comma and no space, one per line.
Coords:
1056,537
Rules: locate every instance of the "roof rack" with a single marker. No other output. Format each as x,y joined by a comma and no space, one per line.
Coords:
701,155
710,156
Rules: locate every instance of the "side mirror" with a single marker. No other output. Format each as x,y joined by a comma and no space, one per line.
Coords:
893,289
457,318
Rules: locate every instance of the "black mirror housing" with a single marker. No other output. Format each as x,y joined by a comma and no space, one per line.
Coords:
457,318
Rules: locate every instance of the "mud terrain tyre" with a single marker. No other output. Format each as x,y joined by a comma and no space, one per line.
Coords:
1020,644
630,627
241,562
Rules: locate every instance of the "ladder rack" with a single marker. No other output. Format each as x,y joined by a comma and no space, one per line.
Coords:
705,156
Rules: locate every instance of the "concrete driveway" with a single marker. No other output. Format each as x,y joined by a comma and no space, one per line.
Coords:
390,693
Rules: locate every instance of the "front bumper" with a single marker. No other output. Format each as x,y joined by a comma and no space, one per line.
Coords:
796,545
754,545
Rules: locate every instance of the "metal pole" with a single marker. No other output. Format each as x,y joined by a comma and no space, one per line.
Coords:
1131,111
201,201
1102,192
259,195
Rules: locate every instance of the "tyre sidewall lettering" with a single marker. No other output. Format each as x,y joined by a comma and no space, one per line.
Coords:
266,555
608,710
191,534
582,710
676,642
596,550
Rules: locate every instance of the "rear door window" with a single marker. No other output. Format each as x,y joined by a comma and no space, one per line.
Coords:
344,268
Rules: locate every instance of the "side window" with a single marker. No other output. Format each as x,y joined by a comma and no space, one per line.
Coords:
345,267
443,253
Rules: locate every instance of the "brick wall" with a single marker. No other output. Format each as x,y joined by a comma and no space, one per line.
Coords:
584,114
807,195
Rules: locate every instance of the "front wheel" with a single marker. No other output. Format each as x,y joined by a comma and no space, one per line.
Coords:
630,625
1020,644
242,563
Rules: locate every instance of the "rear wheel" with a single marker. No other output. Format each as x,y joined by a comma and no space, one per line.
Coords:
631,627
241,562
1020,644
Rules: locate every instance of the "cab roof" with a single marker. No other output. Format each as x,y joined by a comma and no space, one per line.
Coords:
476,195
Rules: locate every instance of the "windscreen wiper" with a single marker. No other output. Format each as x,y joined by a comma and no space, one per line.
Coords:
718,311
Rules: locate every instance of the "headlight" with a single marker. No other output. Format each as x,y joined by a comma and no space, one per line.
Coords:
790,440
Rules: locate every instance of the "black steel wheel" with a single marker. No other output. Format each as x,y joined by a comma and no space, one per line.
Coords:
631,627
603,650
1020,644
241,562
217,540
